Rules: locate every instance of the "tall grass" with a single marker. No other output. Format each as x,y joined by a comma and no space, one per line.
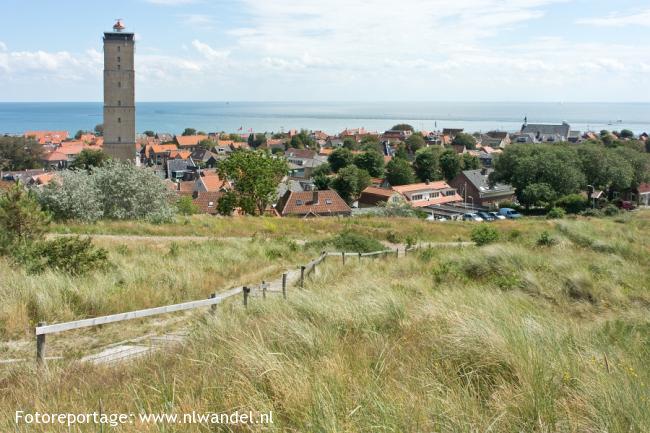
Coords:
446,340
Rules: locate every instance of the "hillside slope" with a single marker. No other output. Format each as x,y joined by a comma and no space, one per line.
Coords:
509,337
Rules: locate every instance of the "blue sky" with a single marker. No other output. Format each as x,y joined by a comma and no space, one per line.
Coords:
312,50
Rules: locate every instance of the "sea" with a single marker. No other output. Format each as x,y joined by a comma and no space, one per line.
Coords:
331,117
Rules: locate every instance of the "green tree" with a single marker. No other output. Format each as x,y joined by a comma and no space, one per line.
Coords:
555,165
415,142
572,203
402,127
149,133
189,131
256,140
401,151
626,133
340,158
537,194
320,176
206,144
21,217
463,139
350,143
99,129
227,203
399,172
19,153
450,164
370,142
255,175
185,206
469,162
427,164
89,158
296,142
350,182
372,161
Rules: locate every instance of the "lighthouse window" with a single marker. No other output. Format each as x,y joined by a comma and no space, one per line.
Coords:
119,103
119,67
119,84
118,59
118,48
119,120
119,139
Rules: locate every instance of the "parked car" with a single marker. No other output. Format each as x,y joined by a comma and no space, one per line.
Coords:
497,215
625,205
486,216
436,218
509,213
472,217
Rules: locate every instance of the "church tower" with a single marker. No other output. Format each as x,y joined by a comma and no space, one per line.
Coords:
119,94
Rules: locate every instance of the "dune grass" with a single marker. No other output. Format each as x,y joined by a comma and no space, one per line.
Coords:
508,337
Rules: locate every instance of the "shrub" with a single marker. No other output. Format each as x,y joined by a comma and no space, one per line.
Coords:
509,204
116,190
21,218
592,213
611,210
545,239
71,255
74,197
356,242
572,203
393,237
484,234
556,213
185,206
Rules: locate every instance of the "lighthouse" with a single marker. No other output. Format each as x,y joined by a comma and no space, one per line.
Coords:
119,93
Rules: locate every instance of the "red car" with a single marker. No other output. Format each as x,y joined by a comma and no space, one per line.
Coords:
626,205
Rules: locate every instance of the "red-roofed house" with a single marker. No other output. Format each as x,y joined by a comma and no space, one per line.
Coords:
210,181
428,193
48,137
189,142
312,203
55,160
373,196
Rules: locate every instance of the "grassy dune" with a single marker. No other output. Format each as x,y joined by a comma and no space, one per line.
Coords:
509,337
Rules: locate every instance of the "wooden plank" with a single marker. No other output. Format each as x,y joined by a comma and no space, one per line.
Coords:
102,320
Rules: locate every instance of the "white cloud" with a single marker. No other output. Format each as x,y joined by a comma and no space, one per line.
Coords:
208,52
3,46
197,20
640,18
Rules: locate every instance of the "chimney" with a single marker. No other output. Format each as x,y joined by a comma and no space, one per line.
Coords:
484,171
314,197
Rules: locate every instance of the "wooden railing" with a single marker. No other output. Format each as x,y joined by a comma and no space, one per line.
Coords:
44,329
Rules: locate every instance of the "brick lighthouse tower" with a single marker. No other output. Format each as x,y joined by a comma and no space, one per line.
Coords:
119,93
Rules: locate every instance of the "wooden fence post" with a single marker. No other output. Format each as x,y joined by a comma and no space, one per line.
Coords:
40,346
359,257
263,289
213,307
343,256
302,277
246,291
397,253
284,285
